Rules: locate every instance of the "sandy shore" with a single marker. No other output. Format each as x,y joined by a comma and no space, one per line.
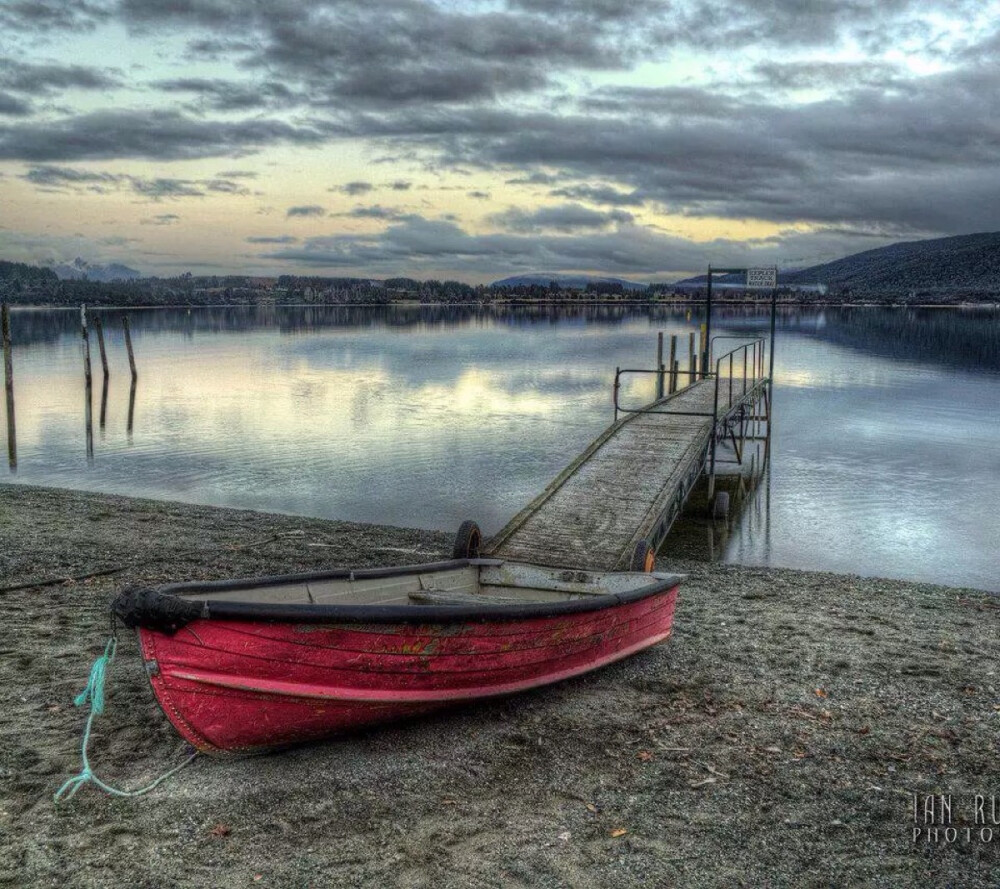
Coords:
774,741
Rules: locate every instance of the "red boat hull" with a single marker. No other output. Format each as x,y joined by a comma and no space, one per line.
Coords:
244,686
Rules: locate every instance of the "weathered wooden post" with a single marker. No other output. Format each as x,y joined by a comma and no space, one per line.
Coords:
86,343
659,365
128,346
131,410
673,363
692,359
104,404
99,327
8,376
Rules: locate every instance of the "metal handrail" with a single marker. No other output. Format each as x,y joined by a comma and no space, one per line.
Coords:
758,363
646,410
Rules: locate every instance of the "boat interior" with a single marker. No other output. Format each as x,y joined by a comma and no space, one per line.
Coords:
484,582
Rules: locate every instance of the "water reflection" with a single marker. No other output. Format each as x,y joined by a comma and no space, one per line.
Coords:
885,459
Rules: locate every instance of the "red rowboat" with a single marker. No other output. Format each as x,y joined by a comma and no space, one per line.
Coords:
246,665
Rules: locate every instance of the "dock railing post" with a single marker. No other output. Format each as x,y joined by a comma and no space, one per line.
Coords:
715,420
618,371
659,365
8,376
673,363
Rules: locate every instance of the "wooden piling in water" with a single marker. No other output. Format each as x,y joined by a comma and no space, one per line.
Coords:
131,410
128,346
692,360
104,404
8,376
86,344
673,363
99,327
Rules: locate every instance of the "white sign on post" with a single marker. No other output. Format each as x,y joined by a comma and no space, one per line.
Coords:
762,277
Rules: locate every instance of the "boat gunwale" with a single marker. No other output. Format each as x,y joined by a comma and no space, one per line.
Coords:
380,614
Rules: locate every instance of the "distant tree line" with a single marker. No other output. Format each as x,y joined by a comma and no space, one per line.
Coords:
22,284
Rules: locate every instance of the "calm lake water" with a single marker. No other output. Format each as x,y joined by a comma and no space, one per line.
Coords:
886,447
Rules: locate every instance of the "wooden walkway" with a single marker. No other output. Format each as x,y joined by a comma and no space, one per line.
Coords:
628,485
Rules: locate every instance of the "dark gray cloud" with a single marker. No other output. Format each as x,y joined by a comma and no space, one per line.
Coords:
600,194
353,188
13,106
823,75
41,80
52,177
272,239
162,219
44,16
376,211
686,101
306,210
227,95
479,195
152,135
400,185
562,218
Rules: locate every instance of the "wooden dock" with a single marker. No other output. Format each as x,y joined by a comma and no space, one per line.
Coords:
630,484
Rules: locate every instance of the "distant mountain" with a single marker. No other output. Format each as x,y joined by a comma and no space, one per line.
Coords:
81,270
943,265
570,282
963,262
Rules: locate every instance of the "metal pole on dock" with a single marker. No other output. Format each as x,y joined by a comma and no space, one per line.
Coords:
708,324
100,343
673,362
774,307
128,346
692,360
8,375
659,365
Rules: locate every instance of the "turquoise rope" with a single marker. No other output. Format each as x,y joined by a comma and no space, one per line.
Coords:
94,693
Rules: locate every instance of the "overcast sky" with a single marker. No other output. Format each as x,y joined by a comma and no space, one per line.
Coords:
474,140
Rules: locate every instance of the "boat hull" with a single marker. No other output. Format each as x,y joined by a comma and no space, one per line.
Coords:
245,686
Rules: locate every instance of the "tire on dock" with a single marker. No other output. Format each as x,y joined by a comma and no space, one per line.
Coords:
643,557
468,541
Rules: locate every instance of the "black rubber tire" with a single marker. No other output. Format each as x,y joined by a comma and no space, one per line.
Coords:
643,557
468,541
720,506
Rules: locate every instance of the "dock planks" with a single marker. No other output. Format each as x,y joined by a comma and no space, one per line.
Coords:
620,488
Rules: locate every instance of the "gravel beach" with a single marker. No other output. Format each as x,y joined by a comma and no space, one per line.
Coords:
775,740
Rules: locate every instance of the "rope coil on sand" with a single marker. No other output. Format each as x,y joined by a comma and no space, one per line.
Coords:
93,693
